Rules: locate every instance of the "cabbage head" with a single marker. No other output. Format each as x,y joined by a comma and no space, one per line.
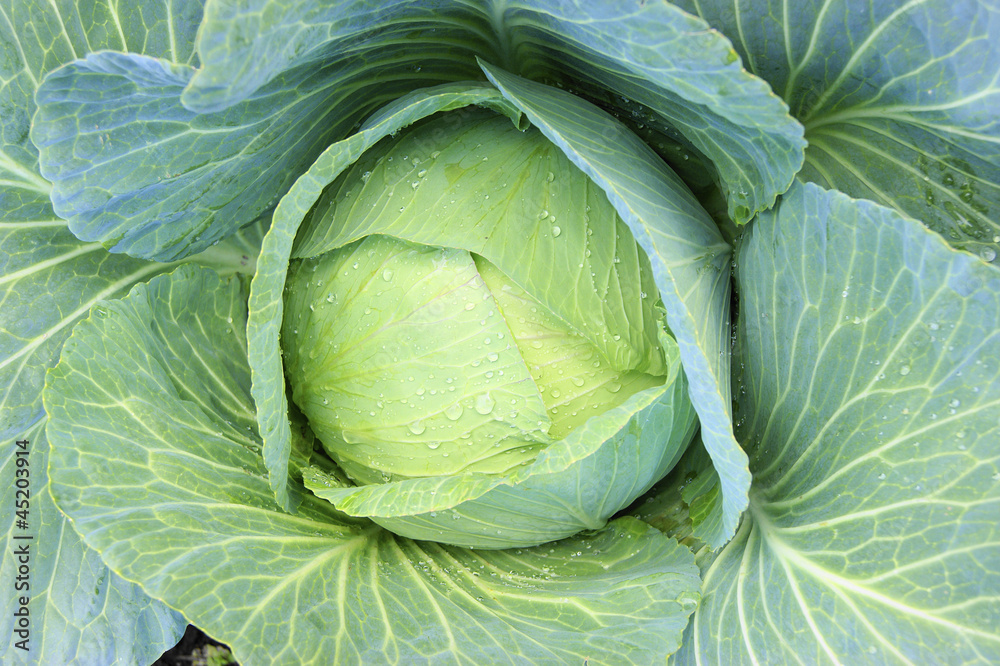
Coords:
450,342
501,331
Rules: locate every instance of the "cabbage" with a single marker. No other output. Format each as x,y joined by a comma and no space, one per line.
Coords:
501,332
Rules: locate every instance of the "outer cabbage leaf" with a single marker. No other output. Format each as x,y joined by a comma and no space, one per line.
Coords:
668,70
81,612
48,282
868,353
690,261
135,168
685,498
898,99
186,481
651,59
37,37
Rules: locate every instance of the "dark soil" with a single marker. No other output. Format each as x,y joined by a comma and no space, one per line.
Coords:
196,649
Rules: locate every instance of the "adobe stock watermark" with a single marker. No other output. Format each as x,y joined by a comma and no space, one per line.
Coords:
22,546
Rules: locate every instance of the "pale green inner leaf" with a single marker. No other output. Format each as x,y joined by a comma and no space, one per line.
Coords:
400,358
266,293
473,181
574,379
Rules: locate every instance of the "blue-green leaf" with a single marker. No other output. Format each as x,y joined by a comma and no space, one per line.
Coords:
180,480
81,612
225,141
870,406
48,281
690,260
37,37
667,69
135,168
898,99
652,61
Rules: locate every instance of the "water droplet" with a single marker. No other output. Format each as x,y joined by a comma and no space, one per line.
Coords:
492,356
484,403
556,231
578,381
418,428
614,387
432,446
954,403
988,254
549,177
454,412
688,604
905,370
387,275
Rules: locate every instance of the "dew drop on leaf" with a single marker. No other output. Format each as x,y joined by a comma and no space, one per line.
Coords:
484,403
